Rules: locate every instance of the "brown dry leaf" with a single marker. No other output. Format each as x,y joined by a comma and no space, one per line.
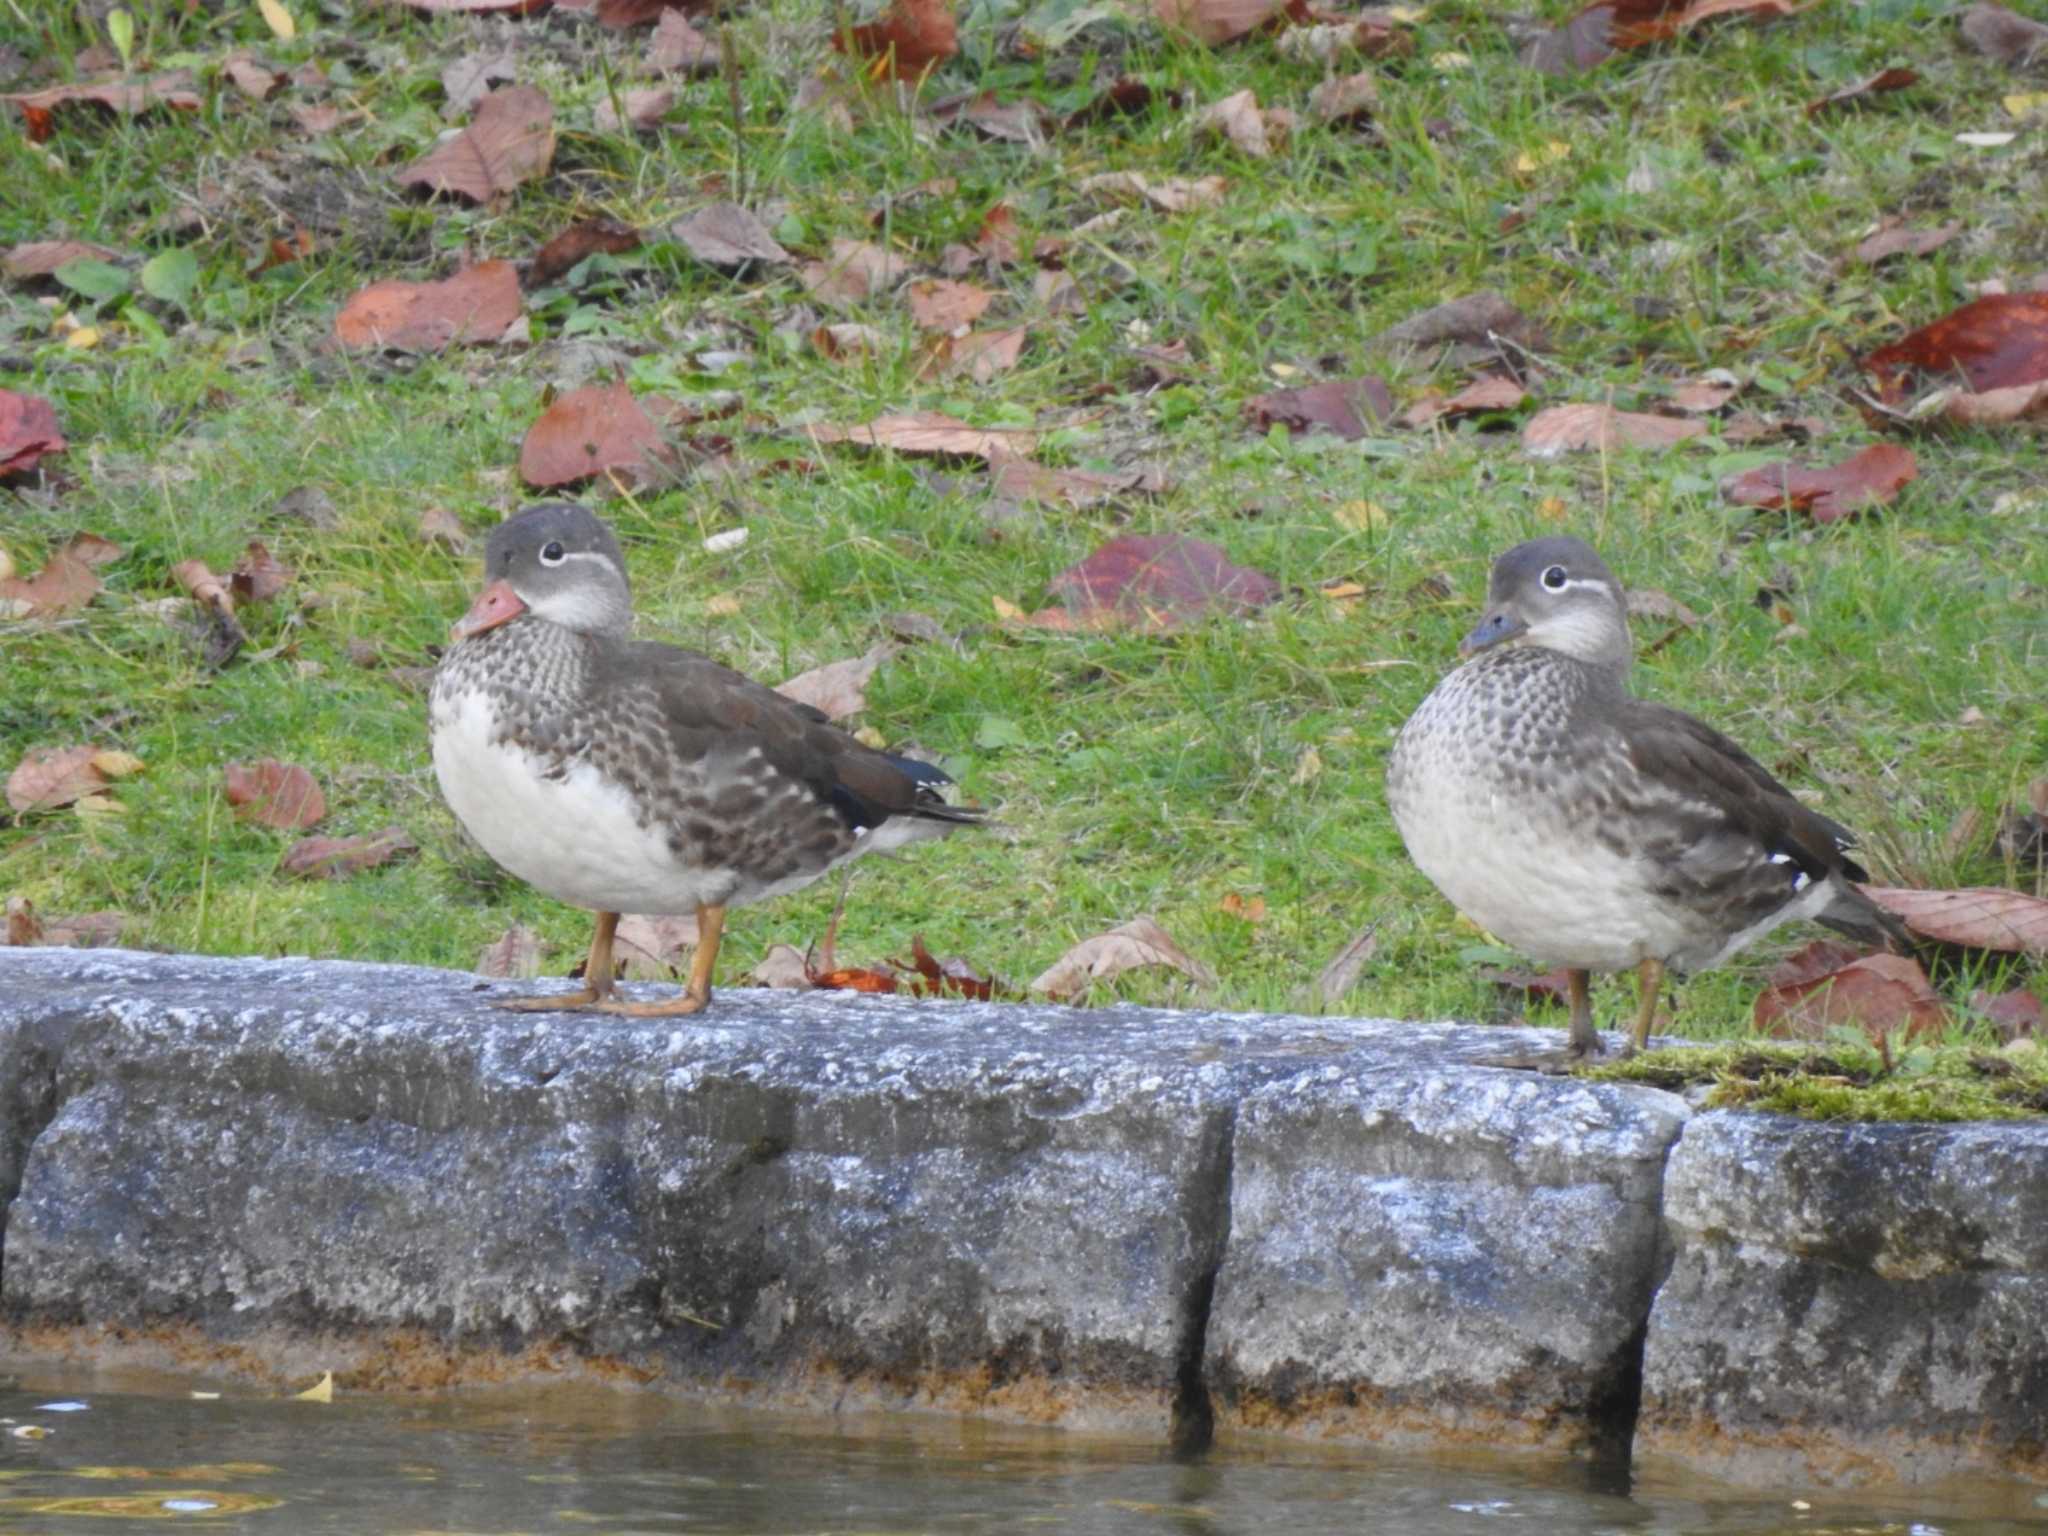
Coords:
939,977
28,430
1893,238
784,966
1477,398
64,585
1607,27
469,79
1651,603
34,259
1346,98
1995,349
676,45
1056,292
845,342
483,7
1160,581
560,255
1169,194
1478,322
257,81
23,927
474,307
1867,479
510,139
1139,942
172,88
225,636
275,794
49,777
1702,397
1562,429
928,433
88,930
939,304
981,355
258,576
2016,1014
1017,480
331,858
857,270
907,40
1883,80
1880,994
653,946
839,688
1341,974
1350,408
1239,119
515,952
726,236
599,429
1552,986
438,525
644,107
1125,96
1216,22
2005,36
1249,909
1978,917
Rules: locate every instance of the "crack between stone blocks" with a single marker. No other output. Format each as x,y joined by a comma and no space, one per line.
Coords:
1207,1211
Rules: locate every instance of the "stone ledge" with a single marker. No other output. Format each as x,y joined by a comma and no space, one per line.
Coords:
1143,1220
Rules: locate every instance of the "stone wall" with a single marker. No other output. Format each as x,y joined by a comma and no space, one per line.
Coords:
1172,1223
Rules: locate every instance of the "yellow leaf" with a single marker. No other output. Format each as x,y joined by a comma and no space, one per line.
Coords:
94,807
1006,611
1408,14
868,736
1449,61
86,336
1735,106
117,765
1307,766
322,1391
1549,154
723,605
1551,509
278,19
1361,516
1282,370
1342,591
2027,103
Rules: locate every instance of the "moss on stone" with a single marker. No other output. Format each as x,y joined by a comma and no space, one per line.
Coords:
1841,1080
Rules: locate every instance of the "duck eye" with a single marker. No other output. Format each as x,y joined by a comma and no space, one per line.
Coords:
1556,577
552,553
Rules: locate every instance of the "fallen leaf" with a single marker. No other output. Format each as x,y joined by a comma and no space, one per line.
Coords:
88,930
1867,479
1245,909
644,108
857,270
172,88
784,966
64,585
28,430
676,45
982,356
274,794
940,304
225,636
481,7
23,928
1019,480
1978,917
1341,974
1478,322
258,576
1216,22
2005,36
907,40
2016,1014
1883,80
1349,408
469,79
1562,429
726,236
939,977
574,244
928,433
847,341
510,139
654,946
1607,27
599,429
438,525
1125,96
1702,397
1169,194
331,858
1160,580
839,687
473,307
1995,346
1238,118
49,777
1552,986
1139,942
1880,994
37,259
1347,99
1479,397
515,952
257,81
1056,292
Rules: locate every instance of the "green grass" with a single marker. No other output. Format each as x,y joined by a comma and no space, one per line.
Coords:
1139,774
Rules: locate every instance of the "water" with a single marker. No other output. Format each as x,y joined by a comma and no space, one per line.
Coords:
575,1459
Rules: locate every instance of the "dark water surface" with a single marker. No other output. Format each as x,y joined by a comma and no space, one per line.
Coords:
583,1459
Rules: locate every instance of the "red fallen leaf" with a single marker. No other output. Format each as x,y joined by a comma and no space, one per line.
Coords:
726,236
1822,957
1883,80
573,244
1125,96
34,259
2004,35
676,45
172,88
1867,479
1164,578
275,794
47,777
1980,917
1553,986
938,977
1894,239
839,688
1997,346
1016,480
595,430
1879,994
510,139
1350,408
1216,22
928,433
907,40
1140,942
939,304
330,858
1481,395
1608,27
473,307
851,979
28,430
65,584
2016,1013
257,576
1562,429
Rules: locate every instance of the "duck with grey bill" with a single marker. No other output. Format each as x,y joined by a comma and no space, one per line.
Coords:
1593,829
631,776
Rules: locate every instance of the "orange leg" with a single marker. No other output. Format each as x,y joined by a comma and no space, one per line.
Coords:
697,995
1584,1039
597,976
1649,982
